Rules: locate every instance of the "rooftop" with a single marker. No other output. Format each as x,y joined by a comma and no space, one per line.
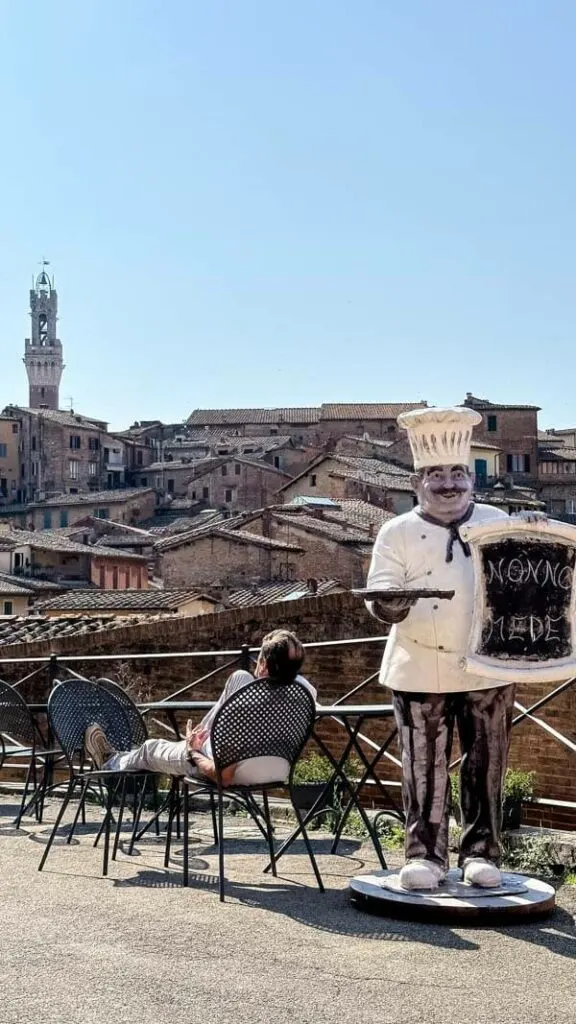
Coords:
35,628
272,593
112,600
240,417
564,453
114,497
367,410
483,403
51,540
65,419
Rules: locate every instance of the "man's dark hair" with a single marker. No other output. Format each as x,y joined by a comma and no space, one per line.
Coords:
283,654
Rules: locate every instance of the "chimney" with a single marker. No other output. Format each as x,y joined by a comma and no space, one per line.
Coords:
266,522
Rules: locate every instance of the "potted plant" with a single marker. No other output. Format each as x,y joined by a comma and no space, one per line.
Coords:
518,788
311,773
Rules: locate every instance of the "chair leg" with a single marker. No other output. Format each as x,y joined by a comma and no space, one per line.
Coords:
107,824
270,832
186,824
136,822
31,772
214,821
155,803
174,795
81,803
120,815
55,827
221,878
309,849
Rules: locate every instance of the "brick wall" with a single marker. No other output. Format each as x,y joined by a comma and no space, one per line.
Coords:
516,434
334,670
238,485
213,559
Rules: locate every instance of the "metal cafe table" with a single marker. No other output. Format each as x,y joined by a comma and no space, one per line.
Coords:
351,718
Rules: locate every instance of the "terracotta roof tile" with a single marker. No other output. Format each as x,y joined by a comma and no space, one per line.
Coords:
121,600
272,593
240,417
367,410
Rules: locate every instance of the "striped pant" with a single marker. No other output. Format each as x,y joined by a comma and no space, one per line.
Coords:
425,727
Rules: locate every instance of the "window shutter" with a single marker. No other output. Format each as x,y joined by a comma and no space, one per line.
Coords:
509,464
526,463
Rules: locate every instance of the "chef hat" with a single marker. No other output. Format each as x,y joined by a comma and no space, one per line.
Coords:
440,437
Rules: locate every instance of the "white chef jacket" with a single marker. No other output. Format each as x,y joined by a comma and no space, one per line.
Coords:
424,651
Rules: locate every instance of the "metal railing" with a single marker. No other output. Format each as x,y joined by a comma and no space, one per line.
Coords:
54,666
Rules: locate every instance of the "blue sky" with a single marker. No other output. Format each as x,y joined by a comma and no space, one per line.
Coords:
248,202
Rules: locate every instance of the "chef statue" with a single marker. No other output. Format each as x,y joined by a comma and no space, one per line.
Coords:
423,662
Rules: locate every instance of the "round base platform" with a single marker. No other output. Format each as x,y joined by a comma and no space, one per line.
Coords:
518,898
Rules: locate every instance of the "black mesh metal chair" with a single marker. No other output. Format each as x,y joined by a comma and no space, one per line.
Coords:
263,719
19,741
73,705
139,736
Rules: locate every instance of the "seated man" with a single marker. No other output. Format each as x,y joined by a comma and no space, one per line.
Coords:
281,657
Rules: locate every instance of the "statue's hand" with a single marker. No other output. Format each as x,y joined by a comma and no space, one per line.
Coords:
528,516
394,610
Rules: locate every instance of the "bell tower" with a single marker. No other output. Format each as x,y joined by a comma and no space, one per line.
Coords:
43,351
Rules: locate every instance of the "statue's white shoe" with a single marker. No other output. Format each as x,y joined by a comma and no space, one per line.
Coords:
421,874
481,872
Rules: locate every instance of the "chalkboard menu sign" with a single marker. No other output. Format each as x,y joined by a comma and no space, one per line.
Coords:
524,615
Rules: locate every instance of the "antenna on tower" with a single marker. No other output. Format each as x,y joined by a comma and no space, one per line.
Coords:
70,399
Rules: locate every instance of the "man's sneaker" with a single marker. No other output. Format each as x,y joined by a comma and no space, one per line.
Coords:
97,745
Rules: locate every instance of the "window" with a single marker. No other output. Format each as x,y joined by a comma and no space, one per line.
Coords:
102,513
18,559
144,481
518,463
492,423
170,484
8,607
313,480
273,430
93,444
72,490
277,462
63,517
158,483
193,495
224,470
106,455
47,520
127,579
571,506
33,443
115,578
206,494
34,469
139,458
14,428
3,451
75,441
102,583
228,495
92,468
73,469
139,578
237,468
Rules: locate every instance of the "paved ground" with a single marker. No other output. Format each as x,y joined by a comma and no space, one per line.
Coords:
138,949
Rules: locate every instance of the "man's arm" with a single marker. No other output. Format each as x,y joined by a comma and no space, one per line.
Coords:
388,572
207,768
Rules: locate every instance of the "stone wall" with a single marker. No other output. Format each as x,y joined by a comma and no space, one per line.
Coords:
334,670
214,559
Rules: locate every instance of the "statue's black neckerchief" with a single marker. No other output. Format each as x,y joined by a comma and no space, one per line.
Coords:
452,528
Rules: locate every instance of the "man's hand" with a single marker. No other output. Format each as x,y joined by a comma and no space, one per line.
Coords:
195,736
394,610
